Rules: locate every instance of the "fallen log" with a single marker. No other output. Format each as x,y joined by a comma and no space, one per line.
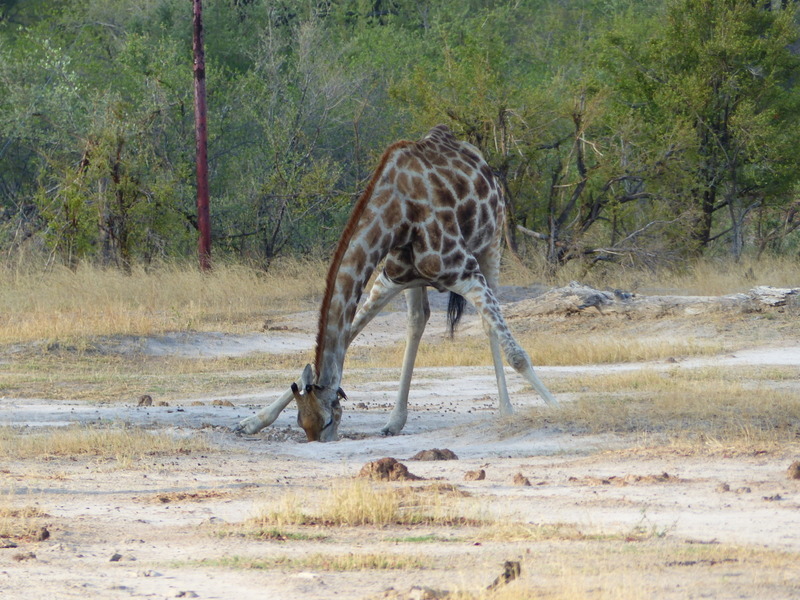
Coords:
577,298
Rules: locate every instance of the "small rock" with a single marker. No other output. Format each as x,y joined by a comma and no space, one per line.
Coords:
162,403
145,400
149,573
186,594
478,475
743,490
387,469
116,557
435,454
307,575
222,403
19,557
520,479
794,470
41,535
723,487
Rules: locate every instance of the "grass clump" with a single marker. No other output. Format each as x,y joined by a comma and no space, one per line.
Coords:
360,503
20,523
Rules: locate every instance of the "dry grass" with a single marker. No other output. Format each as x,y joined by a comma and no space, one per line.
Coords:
703,406
124,445
550,350
596,569
640,571
593,349
19,523
359,503
60,304
352,561
72,374
704,277
696,381
557,560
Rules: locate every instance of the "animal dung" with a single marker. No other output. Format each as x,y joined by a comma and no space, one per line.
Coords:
520,479
387,469
435,454
478,475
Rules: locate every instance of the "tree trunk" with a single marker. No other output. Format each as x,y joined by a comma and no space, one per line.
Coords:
201,135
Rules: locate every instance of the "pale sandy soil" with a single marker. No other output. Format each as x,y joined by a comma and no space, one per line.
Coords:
160,518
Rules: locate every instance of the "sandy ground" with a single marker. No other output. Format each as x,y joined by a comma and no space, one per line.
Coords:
140,531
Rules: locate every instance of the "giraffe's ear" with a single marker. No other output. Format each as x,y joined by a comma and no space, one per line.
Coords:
307,378
296,392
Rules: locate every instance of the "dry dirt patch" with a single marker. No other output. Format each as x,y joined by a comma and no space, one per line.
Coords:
627,512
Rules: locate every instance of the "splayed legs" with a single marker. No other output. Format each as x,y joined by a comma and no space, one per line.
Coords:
478,293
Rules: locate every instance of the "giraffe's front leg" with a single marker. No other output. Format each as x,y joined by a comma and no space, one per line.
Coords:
382,292
419,311
265,416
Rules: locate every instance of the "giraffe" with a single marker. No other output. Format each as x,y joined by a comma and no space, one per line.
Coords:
434,211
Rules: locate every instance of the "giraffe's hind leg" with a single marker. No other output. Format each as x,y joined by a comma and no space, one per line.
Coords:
489,263
476,290
419,312
497,360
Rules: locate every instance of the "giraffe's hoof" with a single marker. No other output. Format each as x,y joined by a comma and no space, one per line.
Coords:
249,426
387,431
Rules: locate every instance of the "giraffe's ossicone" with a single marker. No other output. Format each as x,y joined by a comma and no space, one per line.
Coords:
433,212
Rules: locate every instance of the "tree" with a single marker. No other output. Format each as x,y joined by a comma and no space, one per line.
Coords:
721,73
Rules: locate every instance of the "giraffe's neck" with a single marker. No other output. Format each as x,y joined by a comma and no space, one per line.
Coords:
362,246
336,323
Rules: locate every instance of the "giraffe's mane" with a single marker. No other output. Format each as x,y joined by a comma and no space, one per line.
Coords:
341,248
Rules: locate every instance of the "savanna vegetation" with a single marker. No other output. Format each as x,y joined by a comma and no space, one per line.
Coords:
645,133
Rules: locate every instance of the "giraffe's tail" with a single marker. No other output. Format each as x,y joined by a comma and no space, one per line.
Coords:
455,309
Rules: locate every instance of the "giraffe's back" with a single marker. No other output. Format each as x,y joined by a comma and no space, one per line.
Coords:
447,207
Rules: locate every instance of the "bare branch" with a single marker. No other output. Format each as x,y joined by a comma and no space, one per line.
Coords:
534,234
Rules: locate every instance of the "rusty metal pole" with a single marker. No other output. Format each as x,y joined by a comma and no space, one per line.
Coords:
201,138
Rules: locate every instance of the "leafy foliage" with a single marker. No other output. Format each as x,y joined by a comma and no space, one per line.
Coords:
620,130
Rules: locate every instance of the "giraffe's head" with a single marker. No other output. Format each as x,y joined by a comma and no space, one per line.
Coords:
318,408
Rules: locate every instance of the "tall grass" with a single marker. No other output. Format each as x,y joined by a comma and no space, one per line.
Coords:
61,304
703,277
57,303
